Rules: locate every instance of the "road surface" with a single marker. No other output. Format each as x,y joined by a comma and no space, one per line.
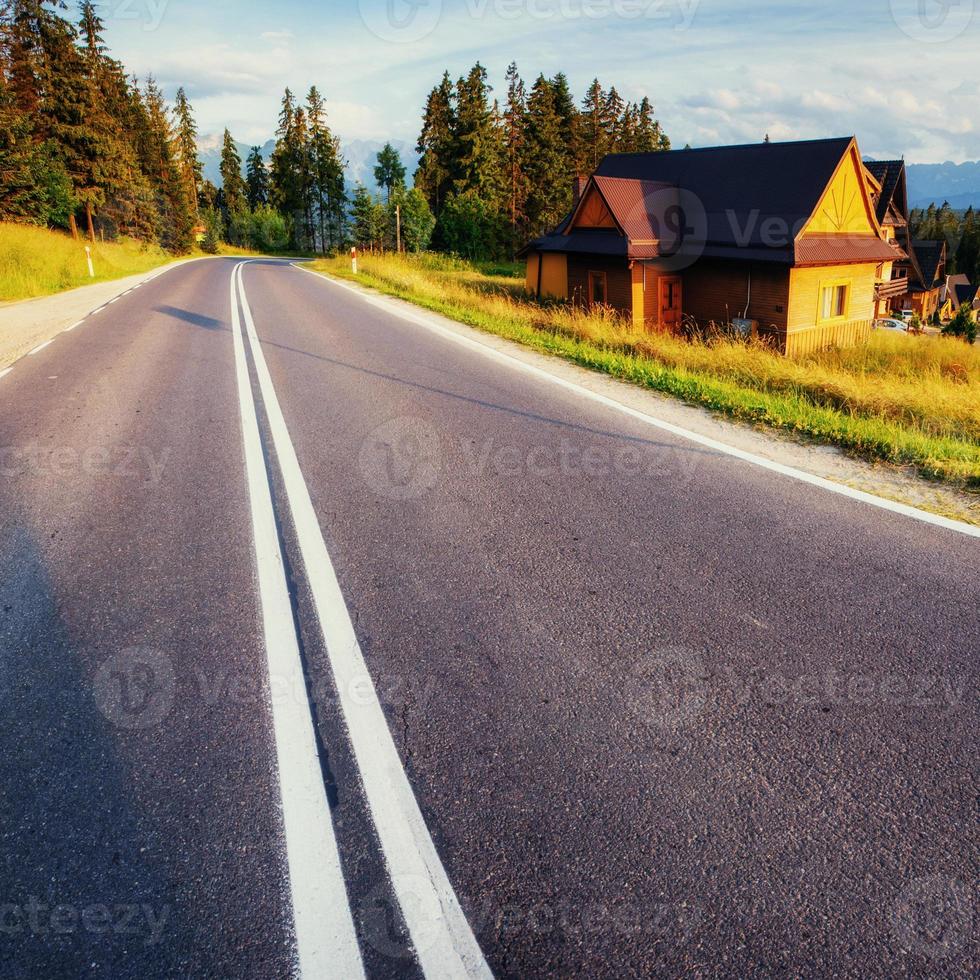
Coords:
330,643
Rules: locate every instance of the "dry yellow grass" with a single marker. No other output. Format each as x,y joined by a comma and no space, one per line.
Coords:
38,262
905,399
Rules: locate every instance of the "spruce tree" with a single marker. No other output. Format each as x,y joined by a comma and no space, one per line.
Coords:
436,145
515,135
549,193
390,171
326,175
186,149
232,181
256,179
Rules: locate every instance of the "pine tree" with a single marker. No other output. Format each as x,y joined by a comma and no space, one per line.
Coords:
549,193
232,181
593,127
256,179
186,149
479,156
436,145
390,171
649,135
368,219
326,175
175,219
515,134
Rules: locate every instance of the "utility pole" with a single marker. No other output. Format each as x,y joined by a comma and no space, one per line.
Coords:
398,228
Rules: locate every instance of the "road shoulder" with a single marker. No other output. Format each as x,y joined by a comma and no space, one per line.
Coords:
26,324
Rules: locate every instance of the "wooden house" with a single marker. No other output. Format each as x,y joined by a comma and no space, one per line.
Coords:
958,292
916,281
782,239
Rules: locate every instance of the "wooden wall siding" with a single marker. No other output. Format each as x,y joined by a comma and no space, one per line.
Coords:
804,293
845,207
594,213
716,290
848,334
531,273
554,275
638,297
619,281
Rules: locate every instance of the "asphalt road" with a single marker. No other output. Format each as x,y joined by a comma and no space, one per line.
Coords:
646,709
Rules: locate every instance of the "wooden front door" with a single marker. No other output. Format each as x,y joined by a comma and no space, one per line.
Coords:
670,302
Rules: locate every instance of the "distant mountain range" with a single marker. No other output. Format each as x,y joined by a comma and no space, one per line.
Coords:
360,157
958,183
928,182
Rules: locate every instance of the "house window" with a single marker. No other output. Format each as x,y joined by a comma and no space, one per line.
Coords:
833,301
597,288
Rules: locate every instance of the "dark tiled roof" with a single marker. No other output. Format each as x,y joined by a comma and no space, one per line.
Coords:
741,187
831,249
930,256
888,173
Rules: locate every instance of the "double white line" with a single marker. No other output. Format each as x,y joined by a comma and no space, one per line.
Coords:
325,936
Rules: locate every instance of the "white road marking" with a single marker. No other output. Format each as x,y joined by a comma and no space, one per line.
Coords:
326,941
113,300
40,347
5,372
905,510
98,310
72,327
442,938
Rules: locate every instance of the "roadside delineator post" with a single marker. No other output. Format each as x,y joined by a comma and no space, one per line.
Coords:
353,260
91,268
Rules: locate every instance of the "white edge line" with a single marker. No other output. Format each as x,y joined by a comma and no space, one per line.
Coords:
40,347
5,371
72,327
906,510
326,940
442,937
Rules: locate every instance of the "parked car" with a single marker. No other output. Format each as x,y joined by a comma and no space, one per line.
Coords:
889,324
906,315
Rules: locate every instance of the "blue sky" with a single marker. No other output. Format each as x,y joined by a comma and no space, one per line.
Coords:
904,75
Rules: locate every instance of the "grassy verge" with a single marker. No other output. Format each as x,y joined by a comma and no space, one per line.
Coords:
906,400
39,262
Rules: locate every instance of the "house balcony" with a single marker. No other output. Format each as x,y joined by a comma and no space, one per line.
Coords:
891,288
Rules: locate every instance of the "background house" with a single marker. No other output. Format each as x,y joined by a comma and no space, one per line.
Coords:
780,238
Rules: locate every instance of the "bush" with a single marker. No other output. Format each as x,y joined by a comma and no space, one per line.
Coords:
962,325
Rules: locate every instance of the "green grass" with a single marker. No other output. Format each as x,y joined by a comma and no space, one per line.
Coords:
38,262
898,399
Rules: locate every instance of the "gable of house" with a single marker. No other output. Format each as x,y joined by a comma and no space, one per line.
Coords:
845,206
592,212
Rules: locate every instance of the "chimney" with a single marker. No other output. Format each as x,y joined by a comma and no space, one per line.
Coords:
578,185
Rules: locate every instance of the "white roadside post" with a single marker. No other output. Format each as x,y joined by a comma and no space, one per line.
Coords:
91,268
353,260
